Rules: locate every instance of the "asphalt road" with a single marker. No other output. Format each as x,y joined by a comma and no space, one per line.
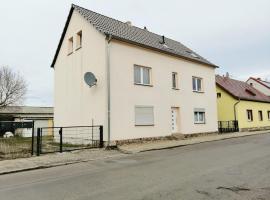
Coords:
230,169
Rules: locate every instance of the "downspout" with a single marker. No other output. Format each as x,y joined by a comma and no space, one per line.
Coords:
109,38
234,108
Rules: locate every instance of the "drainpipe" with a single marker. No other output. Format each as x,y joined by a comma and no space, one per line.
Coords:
234,107
109,38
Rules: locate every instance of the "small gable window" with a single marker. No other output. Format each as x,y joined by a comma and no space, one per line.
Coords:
79,40
70,45
218,95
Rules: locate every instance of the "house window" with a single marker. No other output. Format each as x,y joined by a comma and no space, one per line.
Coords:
144,115
174,80
142,75
260,115
218,95
199,116
268,113
249,115
70,45
197,84
79,40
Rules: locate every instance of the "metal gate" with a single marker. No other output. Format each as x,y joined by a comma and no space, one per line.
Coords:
228,126
60,139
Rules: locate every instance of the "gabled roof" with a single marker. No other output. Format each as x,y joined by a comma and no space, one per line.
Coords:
264,83
131,34
241,90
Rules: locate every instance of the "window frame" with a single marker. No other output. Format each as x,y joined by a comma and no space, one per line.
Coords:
79,40
196,84
260,115
70,45
136,123
141,67
251,112
175,80
197,117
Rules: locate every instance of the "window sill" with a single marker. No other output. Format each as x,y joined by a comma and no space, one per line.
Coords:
143,84
175,88
78,48
137,125
70,53
199,123
195,91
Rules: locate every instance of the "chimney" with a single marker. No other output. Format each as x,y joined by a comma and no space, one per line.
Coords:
145,28
227,75
259,79
129,23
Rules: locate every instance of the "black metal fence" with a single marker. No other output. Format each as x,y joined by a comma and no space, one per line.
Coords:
228,126
60,139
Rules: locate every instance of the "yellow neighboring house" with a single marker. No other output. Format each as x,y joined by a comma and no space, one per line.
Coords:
239,101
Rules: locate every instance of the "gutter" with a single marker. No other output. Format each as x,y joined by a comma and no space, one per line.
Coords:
109,38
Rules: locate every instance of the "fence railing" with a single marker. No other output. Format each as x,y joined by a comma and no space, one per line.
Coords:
228,126
60,139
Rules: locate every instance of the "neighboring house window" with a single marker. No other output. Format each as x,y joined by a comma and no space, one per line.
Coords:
79,40
174,80
260,115
249,115
218,95
142,75
144,115
268,113
70,45
197,84
199,116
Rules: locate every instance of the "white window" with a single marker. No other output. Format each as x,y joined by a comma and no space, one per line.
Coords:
199,116
249,115
144,115
79,40
197,84
70,45
142,75
174,80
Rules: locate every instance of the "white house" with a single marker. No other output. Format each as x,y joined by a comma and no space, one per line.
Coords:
259,84
147,85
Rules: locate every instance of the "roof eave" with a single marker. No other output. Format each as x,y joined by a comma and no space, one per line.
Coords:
62,36
156,49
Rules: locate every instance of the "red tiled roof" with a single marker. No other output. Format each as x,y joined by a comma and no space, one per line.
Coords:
241,90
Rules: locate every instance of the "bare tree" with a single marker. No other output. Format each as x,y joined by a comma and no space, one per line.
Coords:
12,87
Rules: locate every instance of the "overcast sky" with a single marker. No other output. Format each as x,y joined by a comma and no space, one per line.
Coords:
233,34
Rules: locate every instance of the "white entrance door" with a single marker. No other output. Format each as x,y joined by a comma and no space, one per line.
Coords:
174,120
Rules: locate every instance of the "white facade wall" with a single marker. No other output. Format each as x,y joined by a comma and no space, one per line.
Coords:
75,103
259,87
125,95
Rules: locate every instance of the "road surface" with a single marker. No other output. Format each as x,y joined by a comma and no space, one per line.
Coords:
229,169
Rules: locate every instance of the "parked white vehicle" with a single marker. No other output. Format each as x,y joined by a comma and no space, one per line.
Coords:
8,135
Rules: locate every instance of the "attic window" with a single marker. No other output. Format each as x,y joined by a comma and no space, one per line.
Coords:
250,92
79,40
70,45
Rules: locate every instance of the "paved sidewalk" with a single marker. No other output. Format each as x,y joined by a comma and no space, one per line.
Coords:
166,144
53,160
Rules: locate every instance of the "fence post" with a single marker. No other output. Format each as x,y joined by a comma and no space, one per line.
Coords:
101,144
33,138
38,142
61,139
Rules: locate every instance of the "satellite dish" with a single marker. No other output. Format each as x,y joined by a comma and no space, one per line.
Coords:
90,79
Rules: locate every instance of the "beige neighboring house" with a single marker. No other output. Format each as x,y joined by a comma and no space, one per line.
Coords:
42,117
147,85
259,84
